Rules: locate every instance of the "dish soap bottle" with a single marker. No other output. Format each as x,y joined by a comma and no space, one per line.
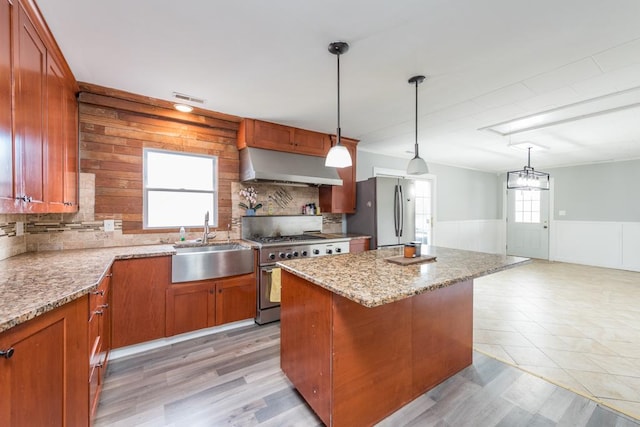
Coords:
183,234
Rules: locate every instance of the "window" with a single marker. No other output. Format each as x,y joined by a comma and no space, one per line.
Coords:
423,211
179,188
527,206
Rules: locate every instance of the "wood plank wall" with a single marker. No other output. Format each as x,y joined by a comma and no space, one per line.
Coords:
114,128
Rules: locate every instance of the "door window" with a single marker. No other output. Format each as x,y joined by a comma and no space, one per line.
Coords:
527,206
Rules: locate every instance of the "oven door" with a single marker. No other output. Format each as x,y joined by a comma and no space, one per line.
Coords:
265,288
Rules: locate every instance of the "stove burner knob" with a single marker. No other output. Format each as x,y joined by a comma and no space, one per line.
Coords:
272,256
289,255
338,250
329,251
305,253
316,251
282,255
295,253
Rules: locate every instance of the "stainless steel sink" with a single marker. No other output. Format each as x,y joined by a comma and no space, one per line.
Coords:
210,262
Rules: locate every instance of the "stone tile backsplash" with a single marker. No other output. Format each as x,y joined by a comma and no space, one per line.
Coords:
80,230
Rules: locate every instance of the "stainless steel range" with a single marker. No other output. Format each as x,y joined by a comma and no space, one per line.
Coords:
281,238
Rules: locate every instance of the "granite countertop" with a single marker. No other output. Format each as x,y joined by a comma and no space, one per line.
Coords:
370,280
33,283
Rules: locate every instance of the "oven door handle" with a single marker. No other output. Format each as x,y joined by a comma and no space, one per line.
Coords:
267,270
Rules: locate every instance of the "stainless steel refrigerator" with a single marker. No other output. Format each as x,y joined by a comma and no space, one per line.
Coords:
385,210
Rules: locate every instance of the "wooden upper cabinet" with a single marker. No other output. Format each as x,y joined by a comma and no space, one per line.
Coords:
342,199
38,120
72,147
30,76
308,142
7,24
55,144
272,136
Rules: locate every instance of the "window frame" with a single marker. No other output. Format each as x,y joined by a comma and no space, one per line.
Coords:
146,189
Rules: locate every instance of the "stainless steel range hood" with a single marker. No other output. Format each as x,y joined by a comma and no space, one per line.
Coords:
257,164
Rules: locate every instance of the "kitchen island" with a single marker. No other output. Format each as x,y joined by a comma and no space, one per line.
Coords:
361,336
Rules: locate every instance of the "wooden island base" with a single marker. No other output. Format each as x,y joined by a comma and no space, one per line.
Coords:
356,365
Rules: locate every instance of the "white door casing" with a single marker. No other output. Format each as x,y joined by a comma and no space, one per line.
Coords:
527,232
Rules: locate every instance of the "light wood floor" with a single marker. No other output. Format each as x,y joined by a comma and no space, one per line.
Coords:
233,378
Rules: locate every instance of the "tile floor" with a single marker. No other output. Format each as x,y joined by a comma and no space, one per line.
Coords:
576,326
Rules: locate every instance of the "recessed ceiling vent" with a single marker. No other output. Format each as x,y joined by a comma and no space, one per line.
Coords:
187,98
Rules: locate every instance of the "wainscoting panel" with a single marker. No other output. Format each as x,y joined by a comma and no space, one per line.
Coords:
473,235
598,243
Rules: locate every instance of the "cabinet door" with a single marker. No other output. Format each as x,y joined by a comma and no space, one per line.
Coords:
342,199
30,101
311,143
271,136
55,142
191,307
138,299
45,382
7,194
236,298
71,151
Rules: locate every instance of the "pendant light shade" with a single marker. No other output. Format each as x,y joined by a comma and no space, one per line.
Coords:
528,178
417,165
338,156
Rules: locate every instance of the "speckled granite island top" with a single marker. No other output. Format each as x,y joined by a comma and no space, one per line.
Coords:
368,279
34,283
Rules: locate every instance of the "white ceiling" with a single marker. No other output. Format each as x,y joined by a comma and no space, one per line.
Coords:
488,61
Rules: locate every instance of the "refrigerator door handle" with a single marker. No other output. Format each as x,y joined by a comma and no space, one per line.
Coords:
395,210
401,215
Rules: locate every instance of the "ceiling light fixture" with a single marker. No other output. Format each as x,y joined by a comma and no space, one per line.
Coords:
593,107
527,178
183,108
338,156
417,165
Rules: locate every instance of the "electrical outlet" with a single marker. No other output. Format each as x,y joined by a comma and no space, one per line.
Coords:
109,225
19,228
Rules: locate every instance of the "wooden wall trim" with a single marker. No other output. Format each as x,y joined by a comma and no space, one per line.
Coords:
107,97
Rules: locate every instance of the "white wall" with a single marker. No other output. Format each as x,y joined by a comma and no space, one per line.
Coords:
600,243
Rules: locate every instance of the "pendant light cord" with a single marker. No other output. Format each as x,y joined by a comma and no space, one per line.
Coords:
338,130
416,146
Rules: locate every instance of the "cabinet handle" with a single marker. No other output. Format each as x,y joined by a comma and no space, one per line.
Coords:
100,312
101,293
104,306
7,354
27,199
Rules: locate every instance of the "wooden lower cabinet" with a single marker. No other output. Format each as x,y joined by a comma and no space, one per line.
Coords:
359,245
190,306
236,298
356,365
206,303
138,297
99,339
44,383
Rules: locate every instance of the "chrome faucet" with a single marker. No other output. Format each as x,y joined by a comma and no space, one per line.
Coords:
205,235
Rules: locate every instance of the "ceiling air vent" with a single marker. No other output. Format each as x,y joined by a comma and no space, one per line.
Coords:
187,98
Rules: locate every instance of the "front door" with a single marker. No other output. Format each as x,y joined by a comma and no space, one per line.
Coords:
528,223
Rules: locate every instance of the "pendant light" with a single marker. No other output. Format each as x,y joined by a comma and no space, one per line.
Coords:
417,165
528,178
338,156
